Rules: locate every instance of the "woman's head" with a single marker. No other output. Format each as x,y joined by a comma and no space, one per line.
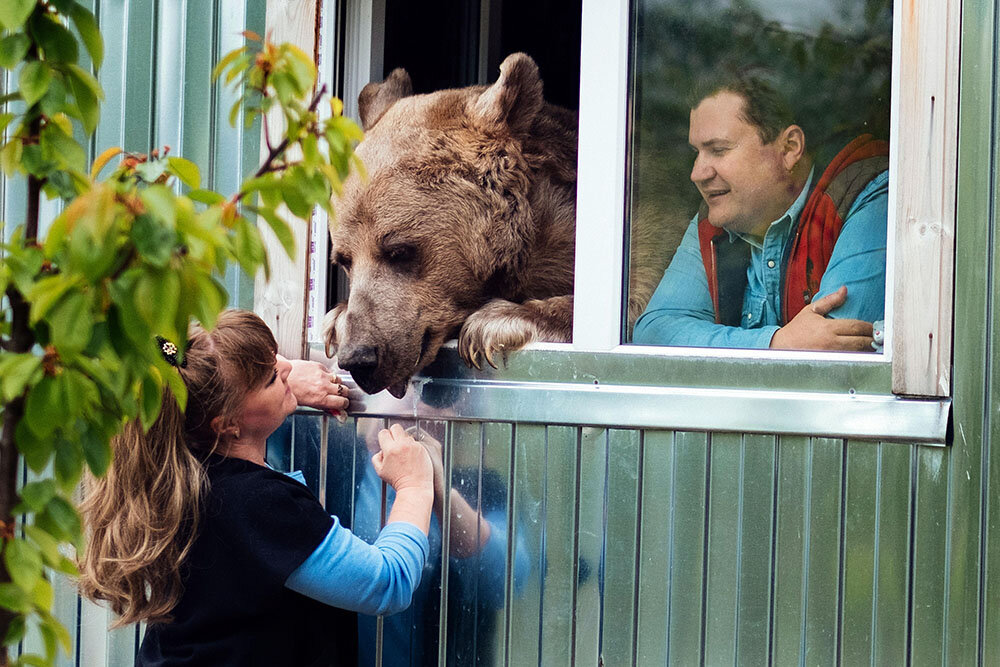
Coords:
228,369
142,516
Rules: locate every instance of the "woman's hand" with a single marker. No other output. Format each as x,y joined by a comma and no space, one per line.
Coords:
315,386
434,450
402,462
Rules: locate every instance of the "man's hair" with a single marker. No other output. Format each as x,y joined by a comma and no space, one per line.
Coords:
763,106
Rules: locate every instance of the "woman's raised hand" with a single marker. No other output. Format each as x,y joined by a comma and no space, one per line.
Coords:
402,462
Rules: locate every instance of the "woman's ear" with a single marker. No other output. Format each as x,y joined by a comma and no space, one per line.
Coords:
223,429
793,146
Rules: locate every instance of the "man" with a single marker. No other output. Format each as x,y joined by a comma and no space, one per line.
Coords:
779,256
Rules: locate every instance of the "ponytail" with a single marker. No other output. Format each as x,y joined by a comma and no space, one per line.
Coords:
142,516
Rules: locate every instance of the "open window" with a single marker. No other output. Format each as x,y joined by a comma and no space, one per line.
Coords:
896,80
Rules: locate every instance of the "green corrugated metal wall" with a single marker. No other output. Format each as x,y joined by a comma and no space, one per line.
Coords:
658,546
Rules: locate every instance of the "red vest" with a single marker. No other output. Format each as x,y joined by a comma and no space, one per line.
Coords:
816,234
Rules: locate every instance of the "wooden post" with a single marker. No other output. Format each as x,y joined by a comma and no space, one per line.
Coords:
926,163
281,302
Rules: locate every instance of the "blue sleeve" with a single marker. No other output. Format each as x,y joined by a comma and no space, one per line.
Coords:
345,571
681,312
858,259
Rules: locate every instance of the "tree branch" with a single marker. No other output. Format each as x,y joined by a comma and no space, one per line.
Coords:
277,151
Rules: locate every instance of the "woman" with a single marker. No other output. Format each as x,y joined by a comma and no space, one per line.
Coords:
228,561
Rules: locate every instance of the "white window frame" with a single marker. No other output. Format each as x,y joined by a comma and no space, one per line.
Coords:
924,129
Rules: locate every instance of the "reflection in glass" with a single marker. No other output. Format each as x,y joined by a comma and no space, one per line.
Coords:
827,63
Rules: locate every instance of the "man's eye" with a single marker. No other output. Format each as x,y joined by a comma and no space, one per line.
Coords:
719,151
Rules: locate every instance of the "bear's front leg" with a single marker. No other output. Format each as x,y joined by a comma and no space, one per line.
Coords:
503,326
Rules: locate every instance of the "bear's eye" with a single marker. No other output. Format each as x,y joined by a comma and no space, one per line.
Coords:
400,254
342,260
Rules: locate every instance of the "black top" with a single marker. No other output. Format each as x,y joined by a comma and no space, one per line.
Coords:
257,527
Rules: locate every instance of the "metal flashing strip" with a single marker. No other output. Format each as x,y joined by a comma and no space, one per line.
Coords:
819,414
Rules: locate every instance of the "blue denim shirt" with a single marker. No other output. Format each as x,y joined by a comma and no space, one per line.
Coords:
681,312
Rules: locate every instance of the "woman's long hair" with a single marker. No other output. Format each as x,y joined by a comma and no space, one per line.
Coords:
142,516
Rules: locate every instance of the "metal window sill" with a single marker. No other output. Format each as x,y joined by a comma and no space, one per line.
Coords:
555,385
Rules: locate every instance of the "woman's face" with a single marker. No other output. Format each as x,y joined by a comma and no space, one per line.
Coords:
266,408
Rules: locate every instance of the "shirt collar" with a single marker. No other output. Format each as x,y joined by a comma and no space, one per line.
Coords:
793,213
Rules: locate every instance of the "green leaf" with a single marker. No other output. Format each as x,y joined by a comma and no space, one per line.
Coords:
97,450
153,240
282,230
226,60
13,13
43,409
15,598
213,299
17,627
62,148
152,401
13,49
57,42
42,594
47,545
63,519
86,25
38,494
71,322
69,462
160,200
10,156
87,91
17,371
24,563
185,170
46,292
34,81
209,197
295,199
36,449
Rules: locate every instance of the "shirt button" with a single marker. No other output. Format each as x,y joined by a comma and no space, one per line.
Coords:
748,316
770,263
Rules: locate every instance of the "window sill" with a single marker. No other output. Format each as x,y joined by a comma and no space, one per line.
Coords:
553,384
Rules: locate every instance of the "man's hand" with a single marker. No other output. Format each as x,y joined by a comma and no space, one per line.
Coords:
811,329
315,386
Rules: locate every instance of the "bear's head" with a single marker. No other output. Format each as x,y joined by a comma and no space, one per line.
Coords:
441,223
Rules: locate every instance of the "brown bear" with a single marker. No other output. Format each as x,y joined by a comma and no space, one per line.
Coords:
465,221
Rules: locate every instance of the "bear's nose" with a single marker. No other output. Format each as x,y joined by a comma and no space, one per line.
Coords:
358,359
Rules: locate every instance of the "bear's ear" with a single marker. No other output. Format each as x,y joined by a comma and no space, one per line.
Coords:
515,98
376,98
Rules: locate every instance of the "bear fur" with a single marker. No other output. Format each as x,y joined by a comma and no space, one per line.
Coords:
464,224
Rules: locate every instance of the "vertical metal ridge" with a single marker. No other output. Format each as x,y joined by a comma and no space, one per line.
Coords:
574,592
213,104
602,567
544,543
479,541
842,556
324,438
670,537
911,554
878,546
806,536
774,550
705,543
449,452
508,593
984,455
638,550
154,63
739,546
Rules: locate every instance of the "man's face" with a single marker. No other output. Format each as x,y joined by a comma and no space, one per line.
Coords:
743,180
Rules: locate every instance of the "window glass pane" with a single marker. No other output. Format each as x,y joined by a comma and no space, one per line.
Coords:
758,172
